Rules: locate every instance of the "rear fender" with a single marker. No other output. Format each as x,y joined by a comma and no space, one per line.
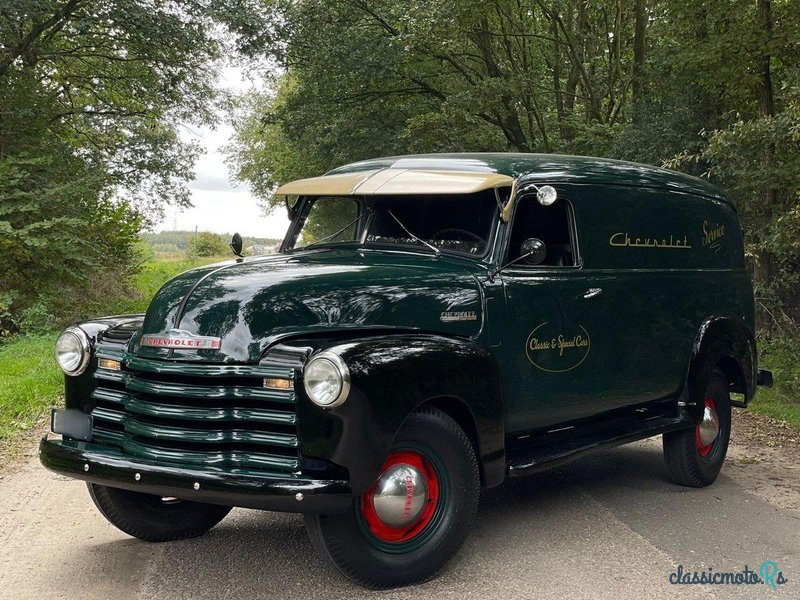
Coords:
727,344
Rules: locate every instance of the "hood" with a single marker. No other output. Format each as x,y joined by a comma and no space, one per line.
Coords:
252,303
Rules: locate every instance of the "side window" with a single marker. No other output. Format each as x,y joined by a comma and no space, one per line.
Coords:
330,219
550,224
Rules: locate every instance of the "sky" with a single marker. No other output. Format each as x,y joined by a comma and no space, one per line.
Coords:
222,204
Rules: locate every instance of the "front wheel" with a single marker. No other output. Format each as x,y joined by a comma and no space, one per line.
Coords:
415,516
694,456
153,518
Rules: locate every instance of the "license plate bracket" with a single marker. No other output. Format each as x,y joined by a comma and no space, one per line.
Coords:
71,423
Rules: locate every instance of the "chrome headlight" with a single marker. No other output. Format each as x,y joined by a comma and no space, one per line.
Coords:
73,351
326,380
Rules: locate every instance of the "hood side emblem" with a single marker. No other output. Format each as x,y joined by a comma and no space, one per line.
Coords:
179,338
450,316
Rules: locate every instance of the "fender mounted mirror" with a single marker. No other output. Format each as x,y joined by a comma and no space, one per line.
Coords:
236,244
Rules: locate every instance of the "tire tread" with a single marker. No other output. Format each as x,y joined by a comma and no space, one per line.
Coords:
196,519
680,451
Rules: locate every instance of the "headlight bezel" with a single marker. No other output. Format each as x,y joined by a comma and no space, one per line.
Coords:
85,347
344,378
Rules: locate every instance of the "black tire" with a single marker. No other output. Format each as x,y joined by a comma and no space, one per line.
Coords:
686,463
347,543
152,518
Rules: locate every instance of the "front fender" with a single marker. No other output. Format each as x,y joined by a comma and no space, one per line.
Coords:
391,376
115,329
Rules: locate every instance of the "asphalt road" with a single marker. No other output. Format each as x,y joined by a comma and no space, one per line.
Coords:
608,526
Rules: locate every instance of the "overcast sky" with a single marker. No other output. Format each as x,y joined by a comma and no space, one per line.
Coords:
220,204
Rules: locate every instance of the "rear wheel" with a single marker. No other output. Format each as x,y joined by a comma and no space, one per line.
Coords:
153,518
415,516
694,456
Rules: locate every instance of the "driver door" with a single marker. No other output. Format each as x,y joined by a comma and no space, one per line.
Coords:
553,375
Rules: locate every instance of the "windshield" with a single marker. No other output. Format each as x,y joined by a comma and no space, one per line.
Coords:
450,223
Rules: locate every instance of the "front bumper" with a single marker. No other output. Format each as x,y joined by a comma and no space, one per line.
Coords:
764,378
107,466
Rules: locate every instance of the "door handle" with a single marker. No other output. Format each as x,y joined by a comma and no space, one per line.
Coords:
592,292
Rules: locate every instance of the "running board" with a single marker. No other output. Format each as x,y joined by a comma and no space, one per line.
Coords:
543,456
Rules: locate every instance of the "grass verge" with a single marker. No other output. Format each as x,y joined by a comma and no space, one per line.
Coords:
30,380
779,355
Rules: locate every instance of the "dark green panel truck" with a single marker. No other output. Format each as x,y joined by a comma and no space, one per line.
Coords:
430,325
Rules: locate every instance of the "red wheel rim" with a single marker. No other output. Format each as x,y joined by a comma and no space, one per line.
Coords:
381,530
704,449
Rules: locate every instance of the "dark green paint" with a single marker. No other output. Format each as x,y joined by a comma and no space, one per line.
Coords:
643,324
391,376
252,304
665,249
250,489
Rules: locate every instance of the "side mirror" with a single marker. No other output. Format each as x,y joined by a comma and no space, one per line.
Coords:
290,210
236,244
534,251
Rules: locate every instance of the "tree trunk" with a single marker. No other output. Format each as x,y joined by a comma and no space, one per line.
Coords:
766,109
507,117
559,96
639,32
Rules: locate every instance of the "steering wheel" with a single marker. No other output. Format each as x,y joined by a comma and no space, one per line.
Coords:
440,235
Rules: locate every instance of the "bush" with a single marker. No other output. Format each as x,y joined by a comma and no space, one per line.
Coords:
206,243
65,249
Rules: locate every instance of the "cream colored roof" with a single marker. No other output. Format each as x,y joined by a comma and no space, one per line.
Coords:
394,182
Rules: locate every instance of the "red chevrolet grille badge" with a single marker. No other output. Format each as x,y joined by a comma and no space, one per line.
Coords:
178,338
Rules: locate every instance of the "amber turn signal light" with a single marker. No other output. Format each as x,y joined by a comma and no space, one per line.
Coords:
107,363
278,384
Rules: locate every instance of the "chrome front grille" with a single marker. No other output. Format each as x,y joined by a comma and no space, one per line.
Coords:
197,415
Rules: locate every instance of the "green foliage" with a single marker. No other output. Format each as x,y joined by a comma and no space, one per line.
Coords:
206,243
177,241
111,95
60,242
327,218
367,79
709,88
149,279
30,381
779,354
92,93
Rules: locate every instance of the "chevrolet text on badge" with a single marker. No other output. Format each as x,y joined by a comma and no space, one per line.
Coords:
449,316
429,325
178,338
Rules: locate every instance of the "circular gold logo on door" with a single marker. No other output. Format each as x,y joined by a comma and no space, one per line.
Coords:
551,348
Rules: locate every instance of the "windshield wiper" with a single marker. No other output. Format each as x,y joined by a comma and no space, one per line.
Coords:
332,236
420,240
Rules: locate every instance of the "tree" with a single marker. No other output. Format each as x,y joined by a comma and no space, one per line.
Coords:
207,243
709,88
92,93
110,79
59,240
385,77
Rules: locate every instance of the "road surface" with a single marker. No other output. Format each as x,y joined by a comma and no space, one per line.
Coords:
608,526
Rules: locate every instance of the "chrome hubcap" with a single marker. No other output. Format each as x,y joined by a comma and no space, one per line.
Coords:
400,495
709,426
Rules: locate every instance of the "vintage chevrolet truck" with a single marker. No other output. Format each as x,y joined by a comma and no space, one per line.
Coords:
431,325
